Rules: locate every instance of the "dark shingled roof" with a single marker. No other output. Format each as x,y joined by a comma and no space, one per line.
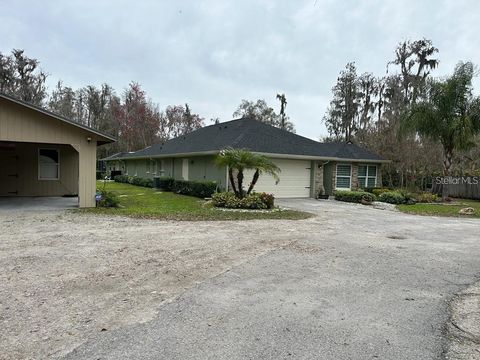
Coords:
252,135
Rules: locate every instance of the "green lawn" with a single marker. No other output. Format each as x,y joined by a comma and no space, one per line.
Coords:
442,209
149,203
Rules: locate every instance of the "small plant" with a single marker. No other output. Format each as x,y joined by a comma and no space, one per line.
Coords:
106,198
426,197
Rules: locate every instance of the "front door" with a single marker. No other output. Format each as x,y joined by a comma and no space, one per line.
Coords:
8,173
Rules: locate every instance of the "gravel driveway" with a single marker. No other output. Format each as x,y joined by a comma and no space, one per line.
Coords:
350,283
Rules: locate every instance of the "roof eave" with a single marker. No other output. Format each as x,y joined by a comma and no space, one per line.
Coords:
104,138
272,155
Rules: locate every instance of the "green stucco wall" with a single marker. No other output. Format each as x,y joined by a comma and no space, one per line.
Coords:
328,177
199,168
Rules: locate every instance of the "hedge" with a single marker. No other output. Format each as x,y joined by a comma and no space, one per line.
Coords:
354,196
201,189
397,197
165,183
134,180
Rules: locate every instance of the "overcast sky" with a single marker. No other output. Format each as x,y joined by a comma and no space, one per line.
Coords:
212,54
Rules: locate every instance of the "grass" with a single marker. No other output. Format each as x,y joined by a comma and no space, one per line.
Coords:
143,202
442,209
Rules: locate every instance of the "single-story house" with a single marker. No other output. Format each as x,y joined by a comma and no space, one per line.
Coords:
308,167
44,154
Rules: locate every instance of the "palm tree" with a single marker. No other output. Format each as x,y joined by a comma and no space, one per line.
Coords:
450,114
239,160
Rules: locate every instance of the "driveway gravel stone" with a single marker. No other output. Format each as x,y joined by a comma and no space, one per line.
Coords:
351,283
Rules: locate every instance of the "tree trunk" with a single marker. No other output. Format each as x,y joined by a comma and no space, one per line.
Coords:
254,181
232,181
241,193
447,163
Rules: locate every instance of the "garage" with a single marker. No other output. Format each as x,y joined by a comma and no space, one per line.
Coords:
294,179
45,155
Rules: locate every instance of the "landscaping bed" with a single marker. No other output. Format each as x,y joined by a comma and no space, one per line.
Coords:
146,202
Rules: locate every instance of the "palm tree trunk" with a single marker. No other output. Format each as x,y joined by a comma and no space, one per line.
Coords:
447,163
240,183
232,181
254,181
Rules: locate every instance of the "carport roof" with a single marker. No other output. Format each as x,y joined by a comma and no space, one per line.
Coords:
105,138
252,135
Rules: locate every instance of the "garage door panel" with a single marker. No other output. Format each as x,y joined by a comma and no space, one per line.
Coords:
294,179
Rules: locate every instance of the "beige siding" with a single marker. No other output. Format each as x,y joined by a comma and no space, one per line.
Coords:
25,157
21,124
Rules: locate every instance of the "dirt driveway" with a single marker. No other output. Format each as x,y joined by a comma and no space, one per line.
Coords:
349,281
66,277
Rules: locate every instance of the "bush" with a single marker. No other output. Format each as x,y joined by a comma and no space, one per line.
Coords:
165,183
100,175
267,199
201,189
106,199
393,197
426,197
251,201
354,196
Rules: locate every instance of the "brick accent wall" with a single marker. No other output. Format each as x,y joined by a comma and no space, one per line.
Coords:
318,179
354,184
334,175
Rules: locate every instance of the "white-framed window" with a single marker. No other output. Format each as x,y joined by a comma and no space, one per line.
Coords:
344,177
48,164
367,176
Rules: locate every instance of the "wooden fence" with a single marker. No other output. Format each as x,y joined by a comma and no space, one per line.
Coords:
466,187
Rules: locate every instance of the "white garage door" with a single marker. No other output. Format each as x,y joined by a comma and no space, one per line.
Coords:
294,179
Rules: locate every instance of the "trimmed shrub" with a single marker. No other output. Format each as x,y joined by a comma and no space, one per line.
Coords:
201,189
426,197
393,197
354,196
251,201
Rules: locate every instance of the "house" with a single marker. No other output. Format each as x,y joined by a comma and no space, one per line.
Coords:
44,154
307,167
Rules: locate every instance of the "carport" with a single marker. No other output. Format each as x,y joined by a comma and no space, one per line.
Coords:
45,155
